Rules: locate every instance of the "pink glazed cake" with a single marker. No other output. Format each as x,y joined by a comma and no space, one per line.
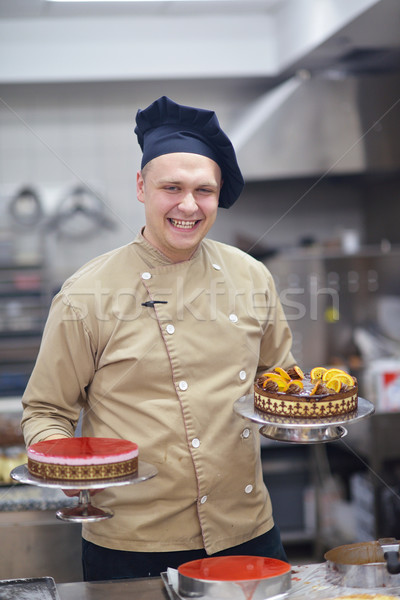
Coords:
82,458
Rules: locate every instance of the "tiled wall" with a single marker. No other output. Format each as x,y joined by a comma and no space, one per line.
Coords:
54,137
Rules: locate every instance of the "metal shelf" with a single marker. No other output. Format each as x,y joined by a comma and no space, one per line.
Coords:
24,302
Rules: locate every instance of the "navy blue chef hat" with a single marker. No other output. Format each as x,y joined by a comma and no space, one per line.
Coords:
165,127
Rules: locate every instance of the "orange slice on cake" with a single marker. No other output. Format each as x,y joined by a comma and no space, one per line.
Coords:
298,372
284,374
317,373
334,384
318,389
278,379
344,377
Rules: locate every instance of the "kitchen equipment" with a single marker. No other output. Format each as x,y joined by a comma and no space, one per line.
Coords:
80,214
26,207
40,588
297,430
84,511
390,548
365,565
234,578
328,296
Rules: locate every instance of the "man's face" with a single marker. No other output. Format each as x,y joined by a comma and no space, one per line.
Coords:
180,192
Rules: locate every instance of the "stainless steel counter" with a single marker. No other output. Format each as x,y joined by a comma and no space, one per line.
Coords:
308,581
151,588
39,545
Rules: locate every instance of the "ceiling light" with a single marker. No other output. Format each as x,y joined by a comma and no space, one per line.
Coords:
143,1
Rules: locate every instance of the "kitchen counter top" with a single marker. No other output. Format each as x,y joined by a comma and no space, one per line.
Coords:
308,581
151,588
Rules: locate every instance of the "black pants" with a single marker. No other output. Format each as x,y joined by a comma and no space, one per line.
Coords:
103,563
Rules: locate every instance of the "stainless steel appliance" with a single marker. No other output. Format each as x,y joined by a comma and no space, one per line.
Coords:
328,297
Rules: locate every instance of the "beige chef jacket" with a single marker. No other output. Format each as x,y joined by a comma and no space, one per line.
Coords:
165,376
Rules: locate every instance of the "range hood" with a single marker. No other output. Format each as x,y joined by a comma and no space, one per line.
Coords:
328,123
335,110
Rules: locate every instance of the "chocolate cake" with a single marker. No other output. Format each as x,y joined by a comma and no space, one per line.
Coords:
318,394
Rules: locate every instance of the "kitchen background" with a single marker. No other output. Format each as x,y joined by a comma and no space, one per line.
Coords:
310,93
56,137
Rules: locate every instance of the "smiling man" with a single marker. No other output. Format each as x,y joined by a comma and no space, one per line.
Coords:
154,342
180,192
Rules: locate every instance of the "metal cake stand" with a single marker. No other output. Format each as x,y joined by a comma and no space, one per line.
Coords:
84,511
301,431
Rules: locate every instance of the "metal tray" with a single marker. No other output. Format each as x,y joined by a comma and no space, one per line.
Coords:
297,430
39,588
169,587
84,511
145,471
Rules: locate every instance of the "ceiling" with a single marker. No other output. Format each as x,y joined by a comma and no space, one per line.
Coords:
56,9
42,41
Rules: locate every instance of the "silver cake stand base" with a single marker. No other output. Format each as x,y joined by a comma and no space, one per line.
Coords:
84,511
301,431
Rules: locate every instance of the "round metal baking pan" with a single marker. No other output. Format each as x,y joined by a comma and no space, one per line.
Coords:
301,431
207,585
359,565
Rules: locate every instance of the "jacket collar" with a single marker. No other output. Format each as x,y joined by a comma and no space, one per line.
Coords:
153,256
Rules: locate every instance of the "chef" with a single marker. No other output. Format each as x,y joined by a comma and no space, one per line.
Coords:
154,342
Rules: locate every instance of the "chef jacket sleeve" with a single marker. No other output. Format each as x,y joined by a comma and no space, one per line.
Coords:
64,368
